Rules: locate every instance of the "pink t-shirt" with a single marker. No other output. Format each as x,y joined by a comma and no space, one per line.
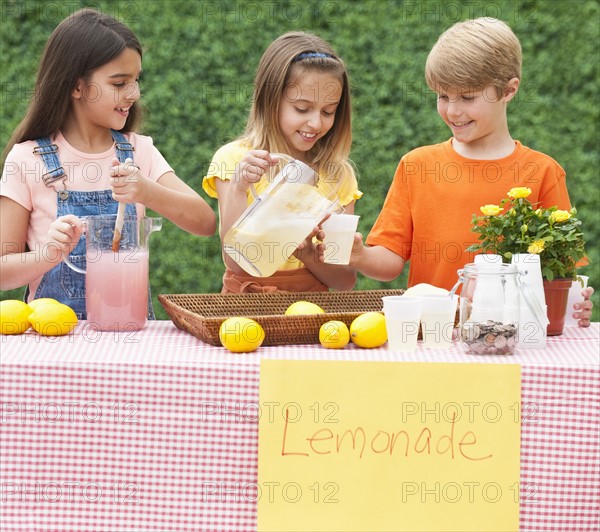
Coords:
22,178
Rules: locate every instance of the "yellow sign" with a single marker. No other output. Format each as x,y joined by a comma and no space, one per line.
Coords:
388,446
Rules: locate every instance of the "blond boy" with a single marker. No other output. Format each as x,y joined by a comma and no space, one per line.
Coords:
475,70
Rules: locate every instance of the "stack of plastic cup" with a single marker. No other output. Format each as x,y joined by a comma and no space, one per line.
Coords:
488,258
575,297
530,262
488,291
532,335
402,319
437,320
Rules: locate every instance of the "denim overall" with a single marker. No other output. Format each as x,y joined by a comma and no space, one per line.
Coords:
61,282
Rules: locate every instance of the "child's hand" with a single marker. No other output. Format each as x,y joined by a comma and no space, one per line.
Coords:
310,250
127,184
584,310
63,234
252,167
357,248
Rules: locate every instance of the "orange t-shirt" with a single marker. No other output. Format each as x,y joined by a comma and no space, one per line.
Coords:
426,217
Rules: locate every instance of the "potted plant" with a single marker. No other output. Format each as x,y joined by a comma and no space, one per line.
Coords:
518,226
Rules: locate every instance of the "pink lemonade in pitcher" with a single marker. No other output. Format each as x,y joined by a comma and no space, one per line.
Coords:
117,290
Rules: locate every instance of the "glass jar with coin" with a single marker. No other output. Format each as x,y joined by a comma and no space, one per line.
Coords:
490,305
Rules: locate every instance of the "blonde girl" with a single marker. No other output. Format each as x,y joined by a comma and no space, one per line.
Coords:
301,106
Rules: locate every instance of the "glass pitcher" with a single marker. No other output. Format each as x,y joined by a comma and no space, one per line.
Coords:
490,308
116,285
272,227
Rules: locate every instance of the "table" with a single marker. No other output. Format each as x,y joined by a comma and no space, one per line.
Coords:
157,431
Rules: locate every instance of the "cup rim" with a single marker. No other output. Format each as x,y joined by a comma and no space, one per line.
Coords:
437,296
335,217
400,298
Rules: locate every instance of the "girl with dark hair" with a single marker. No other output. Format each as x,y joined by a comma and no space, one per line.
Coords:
68,159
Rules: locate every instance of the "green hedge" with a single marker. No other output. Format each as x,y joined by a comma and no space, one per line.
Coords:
199,64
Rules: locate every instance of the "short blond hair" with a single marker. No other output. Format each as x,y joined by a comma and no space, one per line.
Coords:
474,54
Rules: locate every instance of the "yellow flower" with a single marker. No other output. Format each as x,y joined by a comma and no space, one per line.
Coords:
490,210
537,246
560,216
519,192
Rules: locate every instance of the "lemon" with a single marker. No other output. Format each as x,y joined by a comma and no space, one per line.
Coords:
41,301
53,319
368,330
334,335
13,316
241,335
300,308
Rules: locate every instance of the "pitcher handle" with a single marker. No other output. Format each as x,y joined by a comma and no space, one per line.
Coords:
278,156
68,262
461,279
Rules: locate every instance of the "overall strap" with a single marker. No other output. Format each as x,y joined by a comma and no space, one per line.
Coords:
47,150
124,148
55,172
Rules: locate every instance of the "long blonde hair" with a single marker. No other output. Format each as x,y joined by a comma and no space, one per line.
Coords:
297,52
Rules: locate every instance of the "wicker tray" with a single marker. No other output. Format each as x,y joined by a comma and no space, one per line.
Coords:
202,314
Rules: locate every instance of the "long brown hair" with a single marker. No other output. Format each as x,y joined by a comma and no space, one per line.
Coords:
80,44
276,68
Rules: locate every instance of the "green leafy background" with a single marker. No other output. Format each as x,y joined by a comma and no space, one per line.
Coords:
199,63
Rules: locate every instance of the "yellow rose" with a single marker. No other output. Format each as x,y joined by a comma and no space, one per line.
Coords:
537,246
560,216
490,210
519,192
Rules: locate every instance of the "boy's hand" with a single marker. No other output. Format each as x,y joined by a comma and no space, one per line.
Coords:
252,167
63,234
357,249
127,183
584,310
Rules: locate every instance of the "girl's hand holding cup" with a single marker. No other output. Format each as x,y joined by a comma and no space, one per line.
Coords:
308,248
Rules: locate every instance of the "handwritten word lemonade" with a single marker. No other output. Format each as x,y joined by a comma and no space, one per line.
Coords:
264,238
117,290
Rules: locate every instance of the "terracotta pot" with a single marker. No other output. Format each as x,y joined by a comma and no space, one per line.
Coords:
557,295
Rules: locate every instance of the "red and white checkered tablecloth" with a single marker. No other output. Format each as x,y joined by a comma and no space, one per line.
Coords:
157,431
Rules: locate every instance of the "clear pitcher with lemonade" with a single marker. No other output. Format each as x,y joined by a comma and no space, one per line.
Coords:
116,287
279,219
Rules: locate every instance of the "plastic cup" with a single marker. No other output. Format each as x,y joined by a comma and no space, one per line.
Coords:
339,236
530,262
488,258
575,297
437,320
402,318
532,335
489,290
